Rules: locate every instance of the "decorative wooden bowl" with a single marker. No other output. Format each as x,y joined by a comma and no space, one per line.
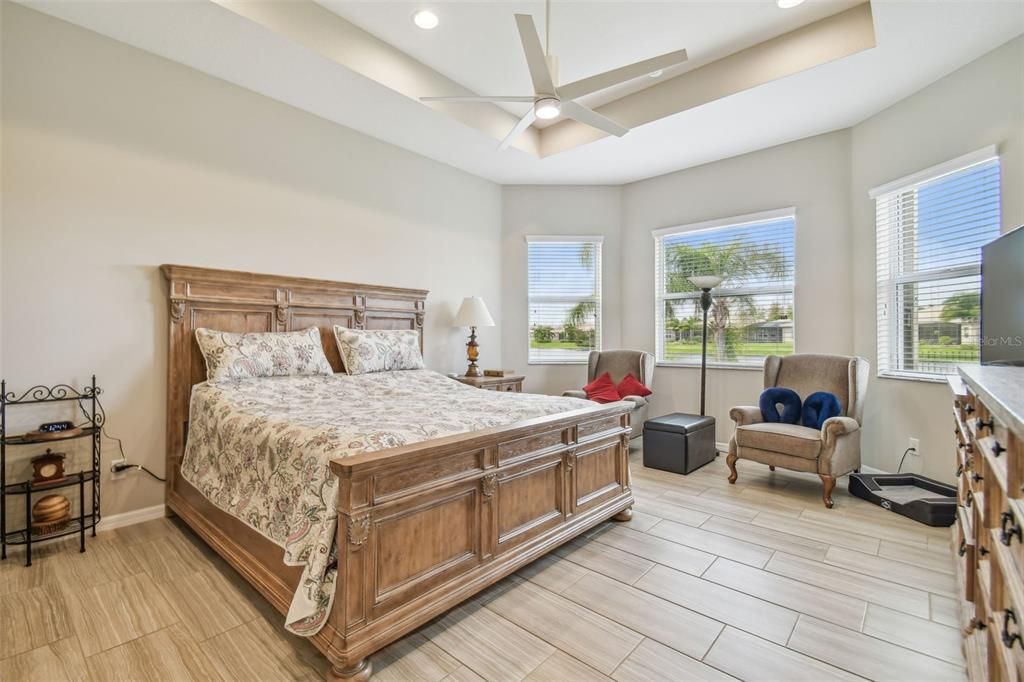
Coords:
50,514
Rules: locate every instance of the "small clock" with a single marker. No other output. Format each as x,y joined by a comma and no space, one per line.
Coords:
48,467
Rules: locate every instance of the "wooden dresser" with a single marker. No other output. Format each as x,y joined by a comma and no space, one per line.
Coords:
989,416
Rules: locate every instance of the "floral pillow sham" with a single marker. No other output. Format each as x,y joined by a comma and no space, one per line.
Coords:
379,350
231,357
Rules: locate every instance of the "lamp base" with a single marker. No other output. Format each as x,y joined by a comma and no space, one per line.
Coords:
472,353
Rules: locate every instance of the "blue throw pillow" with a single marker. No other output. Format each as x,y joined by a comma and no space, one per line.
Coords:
769,404
819,407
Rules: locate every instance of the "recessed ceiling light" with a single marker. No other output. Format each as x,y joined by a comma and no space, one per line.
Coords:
655,74
788,4
427,20
547,107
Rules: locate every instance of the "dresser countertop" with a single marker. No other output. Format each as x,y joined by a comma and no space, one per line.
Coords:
1001,389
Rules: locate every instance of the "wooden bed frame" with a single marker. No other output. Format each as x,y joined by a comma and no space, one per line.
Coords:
421,528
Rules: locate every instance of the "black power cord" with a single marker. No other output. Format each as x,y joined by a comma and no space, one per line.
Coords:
905,453
117,468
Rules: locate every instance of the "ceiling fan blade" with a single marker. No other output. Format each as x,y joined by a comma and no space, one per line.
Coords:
622,74
593,119
480,98
524,123
543,84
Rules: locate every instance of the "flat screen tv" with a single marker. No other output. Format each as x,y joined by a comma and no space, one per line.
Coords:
1002,300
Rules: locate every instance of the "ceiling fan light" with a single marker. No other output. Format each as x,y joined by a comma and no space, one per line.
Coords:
425,19
547,108
788,4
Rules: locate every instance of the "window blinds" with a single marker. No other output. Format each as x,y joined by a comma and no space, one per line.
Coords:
564,298
930,229
752,311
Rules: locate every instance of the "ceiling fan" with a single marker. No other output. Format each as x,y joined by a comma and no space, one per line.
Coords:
550,100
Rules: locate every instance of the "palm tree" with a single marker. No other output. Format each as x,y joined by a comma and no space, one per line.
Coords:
739,261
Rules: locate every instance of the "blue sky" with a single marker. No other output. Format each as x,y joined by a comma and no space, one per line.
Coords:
964,206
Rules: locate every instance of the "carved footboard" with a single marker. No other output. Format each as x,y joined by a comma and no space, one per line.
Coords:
424,527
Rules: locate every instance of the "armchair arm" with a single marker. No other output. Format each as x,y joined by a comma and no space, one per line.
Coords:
744,415
834,427
840,446
575,394
638,401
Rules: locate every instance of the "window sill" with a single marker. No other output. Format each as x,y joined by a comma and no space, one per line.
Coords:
922,378
711,365
556,362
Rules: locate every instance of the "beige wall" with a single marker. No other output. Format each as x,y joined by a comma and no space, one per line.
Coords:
811,175
116,161
827,179
978,105
528,210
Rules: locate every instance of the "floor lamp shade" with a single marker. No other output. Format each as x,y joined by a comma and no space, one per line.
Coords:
473,313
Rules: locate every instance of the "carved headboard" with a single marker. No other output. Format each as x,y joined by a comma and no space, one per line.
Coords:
227,300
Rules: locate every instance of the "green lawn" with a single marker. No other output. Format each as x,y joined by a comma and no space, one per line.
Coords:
557,345
755,349
967,352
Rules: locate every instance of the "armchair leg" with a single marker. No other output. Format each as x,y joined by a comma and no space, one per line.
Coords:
829,483
731,462
771,467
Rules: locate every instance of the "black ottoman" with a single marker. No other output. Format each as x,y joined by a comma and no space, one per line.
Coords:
679,442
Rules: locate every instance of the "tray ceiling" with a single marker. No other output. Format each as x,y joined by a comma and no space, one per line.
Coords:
363,64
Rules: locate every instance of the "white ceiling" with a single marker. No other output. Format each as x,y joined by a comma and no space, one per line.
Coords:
476,46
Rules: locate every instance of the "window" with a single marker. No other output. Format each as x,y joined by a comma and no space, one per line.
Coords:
564,298
751,315
930,228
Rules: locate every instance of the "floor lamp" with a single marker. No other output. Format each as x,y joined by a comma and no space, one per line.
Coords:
705,283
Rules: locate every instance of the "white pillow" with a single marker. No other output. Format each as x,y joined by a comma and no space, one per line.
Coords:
379,350
231,356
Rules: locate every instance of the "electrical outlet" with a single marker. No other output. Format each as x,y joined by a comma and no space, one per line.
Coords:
114,473
915,447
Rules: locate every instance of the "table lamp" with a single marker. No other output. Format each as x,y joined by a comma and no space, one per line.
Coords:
473,313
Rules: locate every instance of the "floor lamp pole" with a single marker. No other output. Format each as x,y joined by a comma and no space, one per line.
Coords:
705,303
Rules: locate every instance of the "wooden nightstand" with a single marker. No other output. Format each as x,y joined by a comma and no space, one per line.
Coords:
512,383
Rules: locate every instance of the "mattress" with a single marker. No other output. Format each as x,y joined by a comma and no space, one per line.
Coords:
260,450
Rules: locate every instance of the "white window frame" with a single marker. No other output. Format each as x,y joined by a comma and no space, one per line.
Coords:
890,283
598,298
659,284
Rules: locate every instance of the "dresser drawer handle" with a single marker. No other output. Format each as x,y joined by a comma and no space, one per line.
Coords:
959,469
969,409
981,424
1006,534
976,477
969,499
997,449
963,548
1008,640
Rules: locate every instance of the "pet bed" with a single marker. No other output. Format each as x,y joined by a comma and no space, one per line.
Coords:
912,495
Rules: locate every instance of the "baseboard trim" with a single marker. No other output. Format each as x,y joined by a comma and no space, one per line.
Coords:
130,518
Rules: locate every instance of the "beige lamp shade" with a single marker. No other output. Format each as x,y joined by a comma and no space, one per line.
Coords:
473,313
706,281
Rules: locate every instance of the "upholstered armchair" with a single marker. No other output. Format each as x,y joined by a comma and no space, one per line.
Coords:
619,363
830,452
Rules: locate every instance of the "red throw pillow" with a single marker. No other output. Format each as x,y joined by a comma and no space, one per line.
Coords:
630,385
602,390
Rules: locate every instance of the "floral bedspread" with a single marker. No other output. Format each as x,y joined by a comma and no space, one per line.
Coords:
260,449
